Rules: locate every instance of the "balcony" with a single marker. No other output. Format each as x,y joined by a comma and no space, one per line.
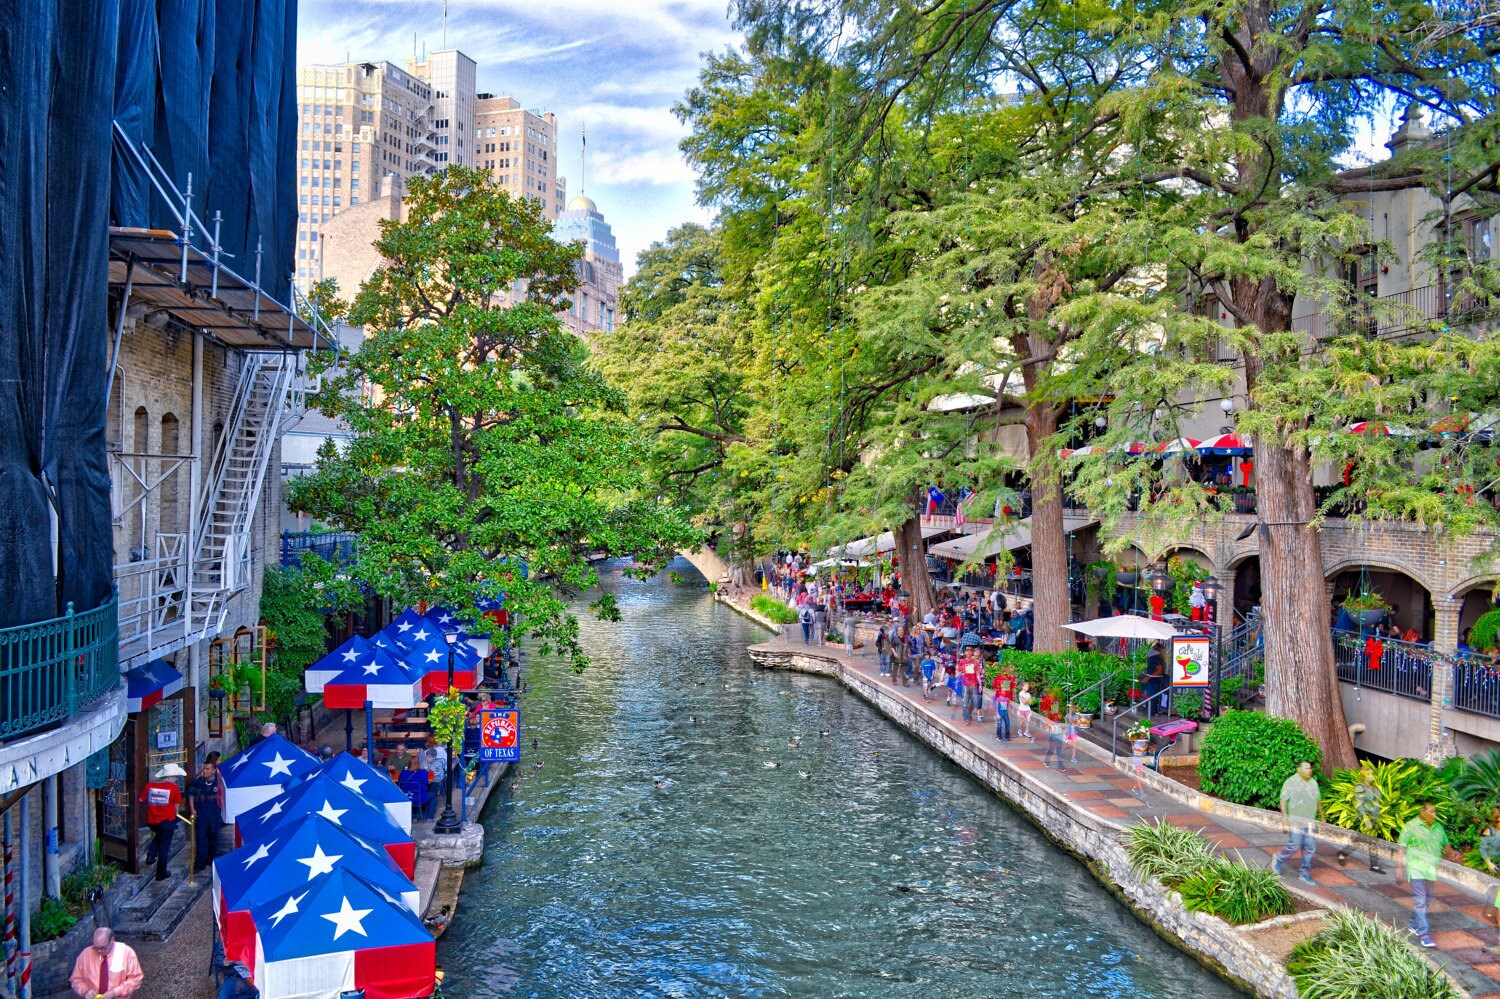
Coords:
1401,313
60,694
1402,668
339,548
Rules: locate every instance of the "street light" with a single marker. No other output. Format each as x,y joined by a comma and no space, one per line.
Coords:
1160,582
448,823
1211,588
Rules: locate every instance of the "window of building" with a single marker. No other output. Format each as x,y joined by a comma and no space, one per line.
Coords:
353,200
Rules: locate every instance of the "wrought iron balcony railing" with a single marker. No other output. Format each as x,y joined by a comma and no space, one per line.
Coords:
51,670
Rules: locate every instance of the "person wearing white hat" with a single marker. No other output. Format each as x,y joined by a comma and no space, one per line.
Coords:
161,798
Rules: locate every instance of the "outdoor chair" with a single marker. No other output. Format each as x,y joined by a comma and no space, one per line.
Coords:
415,785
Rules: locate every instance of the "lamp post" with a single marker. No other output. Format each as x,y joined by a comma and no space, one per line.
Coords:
448,823
1211,589
1161,585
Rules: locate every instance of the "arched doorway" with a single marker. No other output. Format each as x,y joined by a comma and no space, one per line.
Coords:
1478,600
1411,604
1246,595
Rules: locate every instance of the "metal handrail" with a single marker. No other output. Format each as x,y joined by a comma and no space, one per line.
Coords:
51,670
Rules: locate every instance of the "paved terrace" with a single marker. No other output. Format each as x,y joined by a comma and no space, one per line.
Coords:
1112,794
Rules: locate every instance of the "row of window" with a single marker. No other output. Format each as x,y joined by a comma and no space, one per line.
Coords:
312,199
308,164
319,146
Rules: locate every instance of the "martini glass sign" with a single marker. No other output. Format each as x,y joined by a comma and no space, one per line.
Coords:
1190,661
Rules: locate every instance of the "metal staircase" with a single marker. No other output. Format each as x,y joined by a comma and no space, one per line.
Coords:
221,557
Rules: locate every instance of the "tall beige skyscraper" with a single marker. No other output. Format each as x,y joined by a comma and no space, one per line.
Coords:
451,75
519,148
359,122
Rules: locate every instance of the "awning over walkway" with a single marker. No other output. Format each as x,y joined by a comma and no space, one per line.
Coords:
878,545
150,684
1005,537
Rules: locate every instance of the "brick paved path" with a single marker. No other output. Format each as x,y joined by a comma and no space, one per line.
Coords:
1458,919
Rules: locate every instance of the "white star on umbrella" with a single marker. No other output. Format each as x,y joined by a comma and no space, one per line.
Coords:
350,656
372,668
421,635
279,765
330,813
275,809
239,761
355,784
261,853
288,909
347,919
404,627
319,862
444,619
432,656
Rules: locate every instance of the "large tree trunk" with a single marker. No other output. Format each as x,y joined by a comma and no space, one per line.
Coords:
1301,679
913,557
1049,545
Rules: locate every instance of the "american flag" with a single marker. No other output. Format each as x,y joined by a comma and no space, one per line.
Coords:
958,511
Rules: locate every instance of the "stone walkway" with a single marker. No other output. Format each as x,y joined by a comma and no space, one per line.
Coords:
1457,918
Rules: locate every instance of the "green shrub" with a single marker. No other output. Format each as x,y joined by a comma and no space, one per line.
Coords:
1070,672
1404,785
1167,853
773,609
52,920
1359,958
77,886
1247,755
1484,636
1235,893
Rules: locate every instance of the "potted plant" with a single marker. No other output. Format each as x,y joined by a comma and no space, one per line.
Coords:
218,686
1366,605
1139,735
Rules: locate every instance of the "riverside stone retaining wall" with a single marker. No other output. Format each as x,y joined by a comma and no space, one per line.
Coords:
1215,943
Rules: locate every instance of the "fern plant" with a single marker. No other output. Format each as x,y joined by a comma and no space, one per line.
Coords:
1357,957
1165,852
1236,893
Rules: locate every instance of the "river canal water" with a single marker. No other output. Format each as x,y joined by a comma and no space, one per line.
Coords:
860,865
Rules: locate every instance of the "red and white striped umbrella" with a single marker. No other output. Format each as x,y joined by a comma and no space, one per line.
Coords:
1177,444
1224,444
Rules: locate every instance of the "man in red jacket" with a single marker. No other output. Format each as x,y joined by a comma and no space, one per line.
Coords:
161,798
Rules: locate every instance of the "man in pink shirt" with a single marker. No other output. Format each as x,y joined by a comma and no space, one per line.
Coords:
106,969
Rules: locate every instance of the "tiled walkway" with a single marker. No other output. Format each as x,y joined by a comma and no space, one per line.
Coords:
1458,919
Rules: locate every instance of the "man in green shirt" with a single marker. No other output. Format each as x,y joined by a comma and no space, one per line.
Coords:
1300,805
1424,838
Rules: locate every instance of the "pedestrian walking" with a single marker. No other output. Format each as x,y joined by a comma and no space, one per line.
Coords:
106,969
1071,733
1055,737
1301,807
883,650
1489,850
161,798
929,670
1367,804
1023,713
970,676
1002,707
204,808
1423,839
806,617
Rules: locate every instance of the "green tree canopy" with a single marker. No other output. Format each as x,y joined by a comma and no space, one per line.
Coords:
485,453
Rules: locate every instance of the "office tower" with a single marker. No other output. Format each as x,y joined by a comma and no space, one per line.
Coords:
450,74
519,148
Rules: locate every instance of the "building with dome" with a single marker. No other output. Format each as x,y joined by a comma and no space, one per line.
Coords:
600,272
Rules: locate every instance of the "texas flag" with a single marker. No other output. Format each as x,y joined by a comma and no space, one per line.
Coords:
378,678
322,795
351,653
430,657
374,783
263,772
338,934
256,873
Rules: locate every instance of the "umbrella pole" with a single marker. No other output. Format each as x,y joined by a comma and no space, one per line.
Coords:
348,730
369,731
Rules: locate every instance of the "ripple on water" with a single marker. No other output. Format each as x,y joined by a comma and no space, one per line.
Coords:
885,872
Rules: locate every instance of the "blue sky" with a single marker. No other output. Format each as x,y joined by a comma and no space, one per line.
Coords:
615,66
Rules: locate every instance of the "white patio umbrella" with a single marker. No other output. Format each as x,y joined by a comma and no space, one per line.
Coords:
1124,626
